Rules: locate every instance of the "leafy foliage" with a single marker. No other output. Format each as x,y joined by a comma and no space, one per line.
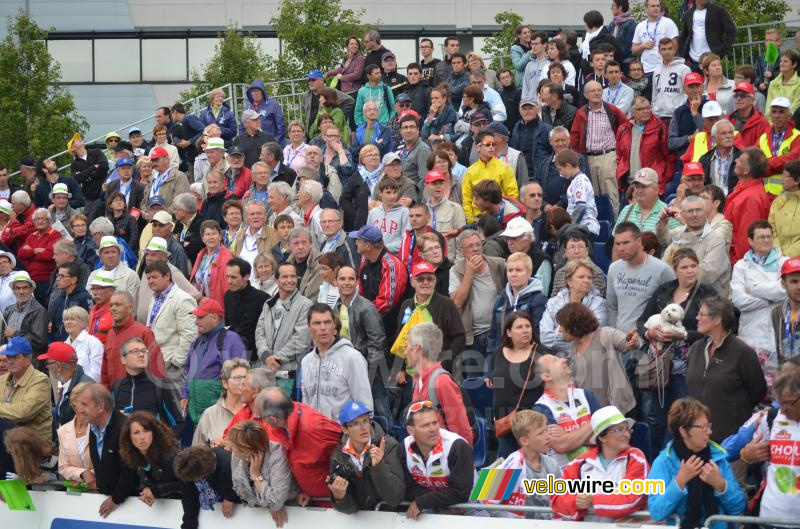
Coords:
499,44
37,113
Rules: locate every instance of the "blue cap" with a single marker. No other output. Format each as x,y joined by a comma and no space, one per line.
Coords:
367,233
497,128
156,200
124,161
235,150
18,345
352,410
315,74
133,130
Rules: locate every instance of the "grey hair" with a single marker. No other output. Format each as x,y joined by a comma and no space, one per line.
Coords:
373,35
230,365
283,188
66,246
338,213
370,103
127,295
478,74
254,202
308,173
186,201
429,337
788,380
46,213
100,395
260,164
315,147
298,231
21,197
690,199
715,127
274,149
77,313
558,130
261,378
313,188
101,225
464,235
273,403
123,351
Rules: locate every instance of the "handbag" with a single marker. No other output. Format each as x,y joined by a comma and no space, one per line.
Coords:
502,426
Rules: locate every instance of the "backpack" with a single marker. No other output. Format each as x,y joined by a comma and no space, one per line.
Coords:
473,423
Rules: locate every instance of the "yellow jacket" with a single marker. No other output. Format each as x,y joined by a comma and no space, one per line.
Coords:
790,90
29,402
495,170
784,215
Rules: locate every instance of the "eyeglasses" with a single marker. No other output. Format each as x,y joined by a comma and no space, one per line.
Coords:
763,238
619,429
740,95
489,144
430,249
703,314
237,378
418,407
112,140
137,352
703,427
425,278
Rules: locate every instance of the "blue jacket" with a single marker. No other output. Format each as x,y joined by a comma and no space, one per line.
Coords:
225,120
128,255
673,501
554,187
381,133
624,36
87,251
531,301
59,301
272,121
539,148
447,118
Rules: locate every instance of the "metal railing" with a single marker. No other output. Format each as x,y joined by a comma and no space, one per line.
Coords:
757,520
747,48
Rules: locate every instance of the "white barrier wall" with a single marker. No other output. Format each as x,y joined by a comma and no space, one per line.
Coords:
58,510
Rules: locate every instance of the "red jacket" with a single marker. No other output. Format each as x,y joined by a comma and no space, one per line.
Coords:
242,183
578,130
309,438
753,128
39,265
112,368
416,257
218,282
449,397
604,505
100,322
653,151
19,228
394,279
748,202
244,414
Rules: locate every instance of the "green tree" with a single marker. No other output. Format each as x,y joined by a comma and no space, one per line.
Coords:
238,58
499,44
312,35
37,113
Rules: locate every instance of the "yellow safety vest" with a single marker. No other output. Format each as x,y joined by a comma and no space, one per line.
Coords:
772,183
700,146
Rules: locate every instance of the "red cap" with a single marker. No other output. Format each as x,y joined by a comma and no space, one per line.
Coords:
434,176
60,352
208,306
693,168
408,112
158,152
692,78
744,87
789,267
422,268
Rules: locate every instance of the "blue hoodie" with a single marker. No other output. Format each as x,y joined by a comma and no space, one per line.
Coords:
530,300
225,120
271,114
673,501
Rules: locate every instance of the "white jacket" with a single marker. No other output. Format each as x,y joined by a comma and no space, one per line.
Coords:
174,326
765,292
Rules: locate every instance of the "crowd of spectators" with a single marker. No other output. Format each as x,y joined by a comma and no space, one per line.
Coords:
577,265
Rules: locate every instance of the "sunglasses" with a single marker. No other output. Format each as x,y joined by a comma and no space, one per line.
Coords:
418,407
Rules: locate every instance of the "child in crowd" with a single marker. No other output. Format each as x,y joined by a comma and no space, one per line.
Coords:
580,195
283,225
390,217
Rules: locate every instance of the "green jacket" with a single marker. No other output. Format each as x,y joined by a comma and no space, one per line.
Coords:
790,90
380,94
339,119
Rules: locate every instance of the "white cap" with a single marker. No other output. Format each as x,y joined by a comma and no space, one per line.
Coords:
516,227
23,276
10,257
605,418
109,241
60,188
712,110
215,143
157,244
162,217
5,207
782,102
102,278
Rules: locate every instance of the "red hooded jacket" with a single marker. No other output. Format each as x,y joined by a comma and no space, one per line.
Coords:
218,282
753,128
653,151
748,201
112,368
19,228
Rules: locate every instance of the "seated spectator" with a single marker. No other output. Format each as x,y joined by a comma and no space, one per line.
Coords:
433,254
308,436
208,271
329,265
305,257
125,278
73,444
65,371
26,318
205,475
522,293
29,454
67,289
187,227
697,477
283,225
723,372
216,196
161,226
391,216
36,253
372,132
520,238
556,111
125,225
568,424
357,192
7,273
578,274
109,474
264,280
60,210
281,334
21,225
86,249
148,447
612,457
441,117
211,425
488,199
428,447
715,205
783,211
491,235
645,208
595,356
700,143
756,289
511,375
100,320
576,244
336,239
719,163
346,377
787,341
531,197
365,469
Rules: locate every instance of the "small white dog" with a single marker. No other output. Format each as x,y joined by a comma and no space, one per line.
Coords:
670,320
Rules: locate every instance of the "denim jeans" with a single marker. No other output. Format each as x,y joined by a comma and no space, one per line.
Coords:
380,400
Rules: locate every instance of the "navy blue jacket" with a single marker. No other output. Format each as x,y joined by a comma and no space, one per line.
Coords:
225,120
189,128
59,301
531,301
272,121
554,187
539,147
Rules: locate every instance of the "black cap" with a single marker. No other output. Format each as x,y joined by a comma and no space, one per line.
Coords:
402,98
123,146
235,150
28,161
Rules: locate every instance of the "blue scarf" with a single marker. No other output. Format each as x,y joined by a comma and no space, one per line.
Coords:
207,495
370,178
770,263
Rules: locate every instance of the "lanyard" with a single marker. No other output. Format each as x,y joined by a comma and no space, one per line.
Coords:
330,244
205,266
290,159
776,148
500,212
789,331
158,301
411,248
158,182
655,30
723,163
432,207
613,100
125,190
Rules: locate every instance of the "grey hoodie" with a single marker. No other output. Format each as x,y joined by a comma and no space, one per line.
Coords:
393,224
330,380
668,87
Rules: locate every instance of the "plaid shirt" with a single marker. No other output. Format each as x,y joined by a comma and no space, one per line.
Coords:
599,134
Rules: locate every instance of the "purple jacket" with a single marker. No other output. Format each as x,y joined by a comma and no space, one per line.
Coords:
270,111
205,359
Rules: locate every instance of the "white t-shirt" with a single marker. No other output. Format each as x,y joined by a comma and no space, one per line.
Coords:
699,45
655,31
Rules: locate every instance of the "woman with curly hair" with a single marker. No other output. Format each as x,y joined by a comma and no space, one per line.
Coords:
28,451
148,446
